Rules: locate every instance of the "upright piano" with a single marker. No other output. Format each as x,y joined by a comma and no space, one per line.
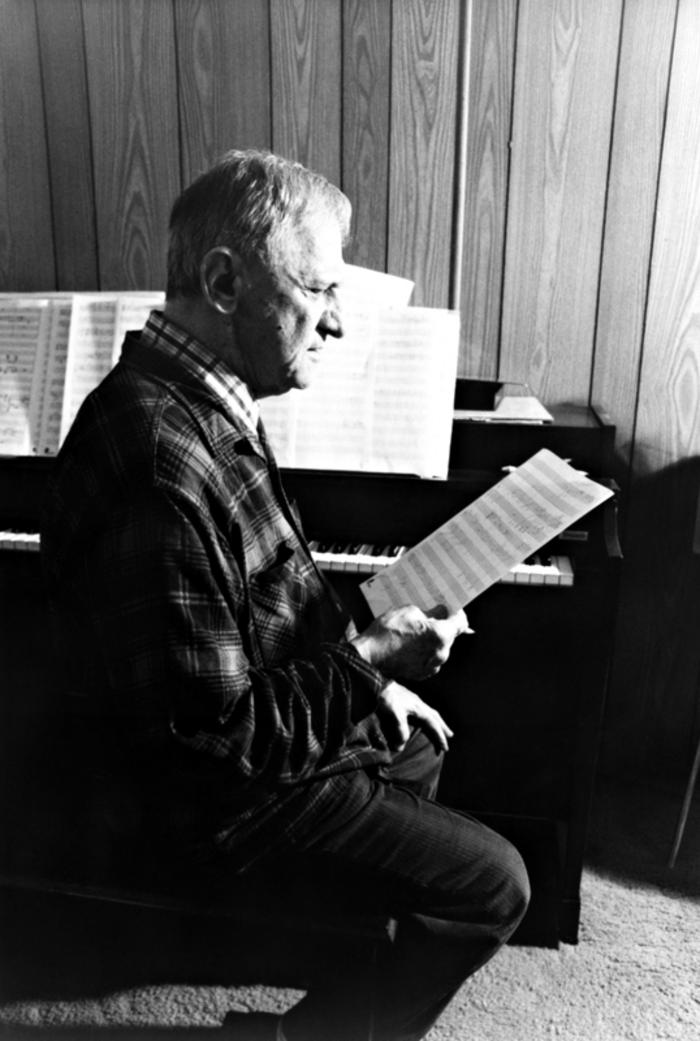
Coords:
524,695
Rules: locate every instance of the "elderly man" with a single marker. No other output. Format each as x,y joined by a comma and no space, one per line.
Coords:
216,664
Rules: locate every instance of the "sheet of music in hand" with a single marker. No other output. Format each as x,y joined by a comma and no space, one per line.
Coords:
533,504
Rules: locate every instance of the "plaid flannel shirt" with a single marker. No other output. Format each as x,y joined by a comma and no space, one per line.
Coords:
189,609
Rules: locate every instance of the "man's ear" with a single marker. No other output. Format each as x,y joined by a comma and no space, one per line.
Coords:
220,275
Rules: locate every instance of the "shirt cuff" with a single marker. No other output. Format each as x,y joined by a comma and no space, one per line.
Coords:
375,680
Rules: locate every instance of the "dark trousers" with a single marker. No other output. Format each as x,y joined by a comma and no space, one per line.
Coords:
457,889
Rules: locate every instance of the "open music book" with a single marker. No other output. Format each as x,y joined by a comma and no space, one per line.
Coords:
525,510
54,348
382,398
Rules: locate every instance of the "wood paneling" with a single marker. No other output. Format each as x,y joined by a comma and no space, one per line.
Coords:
366,109
671,365
130,58
559,165
645,55
486,187
425,49
223,64
660,605
306,67
70,148
26,239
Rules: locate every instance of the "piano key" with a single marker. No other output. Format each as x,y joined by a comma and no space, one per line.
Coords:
552,571
20,540
366,559
537,571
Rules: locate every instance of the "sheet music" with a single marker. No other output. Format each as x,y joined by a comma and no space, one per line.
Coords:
477,547
415,375
97,328
381,398
23,330
53,367
365,289
132,311
90,350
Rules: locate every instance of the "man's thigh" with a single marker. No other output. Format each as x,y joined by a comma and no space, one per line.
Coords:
407,853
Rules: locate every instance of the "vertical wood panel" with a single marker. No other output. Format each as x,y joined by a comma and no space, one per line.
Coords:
366,102
223,61
486,188
306,88
26,240
671,366
426,39
639,123
133,109
68,134
564,93
659,654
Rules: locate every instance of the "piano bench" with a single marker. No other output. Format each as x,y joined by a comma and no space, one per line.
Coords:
252,936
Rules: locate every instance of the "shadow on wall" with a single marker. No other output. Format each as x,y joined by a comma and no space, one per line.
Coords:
653,707
633,825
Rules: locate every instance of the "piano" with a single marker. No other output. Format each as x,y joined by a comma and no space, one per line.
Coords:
525,695
366,559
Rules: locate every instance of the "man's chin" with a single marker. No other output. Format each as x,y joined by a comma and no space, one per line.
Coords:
304,377
297,381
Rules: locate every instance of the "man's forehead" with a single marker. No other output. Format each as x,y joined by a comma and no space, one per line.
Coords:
314,245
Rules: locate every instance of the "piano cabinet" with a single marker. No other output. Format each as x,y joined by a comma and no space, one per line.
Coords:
524,694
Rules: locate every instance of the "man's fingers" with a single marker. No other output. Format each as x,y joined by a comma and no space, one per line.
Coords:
451,626
431,721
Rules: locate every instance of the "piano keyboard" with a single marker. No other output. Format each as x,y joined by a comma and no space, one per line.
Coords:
365,559
26,540
357,559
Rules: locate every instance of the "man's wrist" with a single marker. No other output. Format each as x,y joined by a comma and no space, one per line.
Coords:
364,645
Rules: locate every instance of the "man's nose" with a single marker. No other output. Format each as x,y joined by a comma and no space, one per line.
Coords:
331,323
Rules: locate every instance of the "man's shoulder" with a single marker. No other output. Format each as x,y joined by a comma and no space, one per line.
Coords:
136,435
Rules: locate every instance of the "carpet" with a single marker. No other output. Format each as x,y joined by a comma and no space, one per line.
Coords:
633,976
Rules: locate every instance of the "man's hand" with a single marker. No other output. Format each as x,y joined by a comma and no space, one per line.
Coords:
408,644
399,707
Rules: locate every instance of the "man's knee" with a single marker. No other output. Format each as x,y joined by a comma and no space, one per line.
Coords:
510,887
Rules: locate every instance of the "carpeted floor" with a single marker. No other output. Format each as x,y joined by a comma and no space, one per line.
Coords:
634,976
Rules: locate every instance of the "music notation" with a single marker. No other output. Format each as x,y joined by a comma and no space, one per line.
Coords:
514,518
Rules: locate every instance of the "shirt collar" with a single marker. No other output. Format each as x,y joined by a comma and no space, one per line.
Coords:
164,336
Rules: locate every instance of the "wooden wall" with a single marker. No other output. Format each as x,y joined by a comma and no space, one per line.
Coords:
534,162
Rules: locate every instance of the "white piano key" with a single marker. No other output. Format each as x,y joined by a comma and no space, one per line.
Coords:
19,540
367,560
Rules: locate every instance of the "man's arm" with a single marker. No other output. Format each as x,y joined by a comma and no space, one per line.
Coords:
165,624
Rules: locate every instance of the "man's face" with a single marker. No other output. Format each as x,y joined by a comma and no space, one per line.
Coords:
288,308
